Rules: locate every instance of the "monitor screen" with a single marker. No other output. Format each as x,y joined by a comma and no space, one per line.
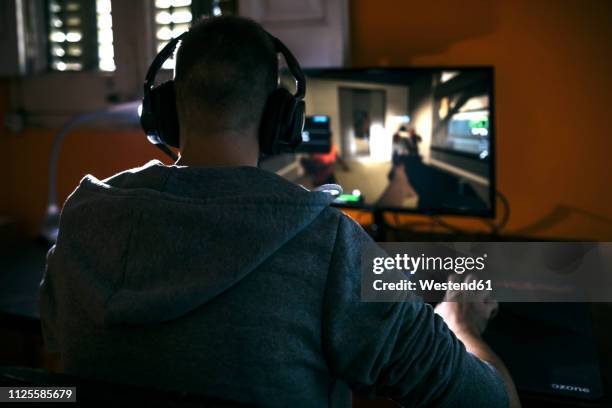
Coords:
407,139
316,137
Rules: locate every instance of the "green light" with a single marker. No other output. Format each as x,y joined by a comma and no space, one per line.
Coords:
479,124
348,198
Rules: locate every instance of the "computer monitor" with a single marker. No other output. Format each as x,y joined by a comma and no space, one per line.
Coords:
403,139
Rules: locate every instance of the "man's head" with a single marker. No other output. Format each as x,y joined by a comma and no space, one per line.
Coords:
226,67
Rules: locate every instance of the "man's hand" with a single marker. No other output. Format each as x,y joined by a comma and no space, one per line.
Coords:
467,315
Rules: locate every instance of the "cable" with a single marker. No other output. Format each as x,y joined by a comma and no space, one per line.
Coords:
496,229
506,204
438,220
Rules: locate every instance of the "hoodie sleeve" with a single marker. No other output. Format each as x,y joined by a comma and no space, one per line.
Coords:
402,351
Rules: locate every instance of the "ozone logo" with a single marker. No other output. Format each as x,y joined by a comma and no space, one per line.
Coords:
571,388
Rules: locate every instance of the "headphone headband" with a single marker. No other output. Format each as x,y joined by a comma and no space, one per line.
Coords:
157,63
168,50
294,67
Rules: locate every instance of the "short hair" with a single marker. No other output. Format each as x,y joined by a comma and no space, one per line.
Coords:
226,67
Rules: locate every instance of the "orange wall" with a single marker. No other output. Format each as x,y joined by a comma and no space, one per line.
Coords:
96,151
553,66
553,62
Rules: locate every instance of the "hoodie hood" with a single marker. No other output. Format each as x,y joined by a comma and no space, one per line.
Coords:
152,244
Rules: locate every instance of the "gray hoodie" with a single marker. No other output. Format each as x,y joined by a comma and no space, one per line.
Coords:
234,283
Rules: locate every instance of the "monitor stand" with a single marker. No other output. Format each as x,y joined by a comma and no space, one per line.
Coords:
378,228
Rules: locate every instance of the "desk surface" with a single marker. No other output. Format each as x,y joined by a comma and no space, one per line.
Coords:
21,269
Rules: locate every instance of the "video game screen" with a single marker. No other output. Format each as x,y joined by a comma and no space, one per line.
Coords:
414,139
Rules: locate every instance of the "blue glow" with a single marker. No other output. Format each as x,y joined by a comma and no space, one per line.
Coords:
320,119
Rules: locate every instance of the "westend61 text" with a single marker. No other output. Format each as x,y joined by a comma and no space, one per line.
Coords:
428,285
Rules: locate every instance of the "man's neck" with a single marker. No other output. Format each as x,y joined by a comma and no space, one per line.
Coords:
226,150
204,161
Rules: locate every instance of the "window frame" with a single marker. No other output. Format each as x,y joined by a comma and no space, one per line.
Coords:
198,10
48,98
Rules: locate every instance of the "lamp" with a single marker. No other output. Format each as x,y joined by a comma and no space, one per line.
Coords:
124,114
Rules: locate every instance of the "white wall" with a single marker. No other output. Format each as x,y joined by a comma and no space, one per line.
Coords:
322,99
316,31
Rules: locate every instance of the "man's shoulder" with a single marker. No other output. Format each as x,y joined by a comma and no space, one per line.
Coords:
118,179
350,235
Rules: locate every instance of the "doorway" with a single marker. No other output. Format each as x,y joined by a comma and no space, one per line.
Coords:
360,109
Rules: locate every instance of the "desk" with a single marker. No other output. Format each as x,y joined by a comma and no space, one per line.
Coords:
21,270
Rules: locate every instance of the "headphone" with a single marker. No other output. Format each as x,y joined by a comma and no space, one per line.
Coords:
282,122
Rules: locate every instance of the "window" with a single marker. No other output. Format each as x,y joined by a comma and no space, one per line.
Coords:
80,35
173,17
106,51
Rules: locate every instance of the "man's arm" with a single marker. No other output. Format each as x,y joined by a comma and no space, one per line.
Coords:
398,350
468,320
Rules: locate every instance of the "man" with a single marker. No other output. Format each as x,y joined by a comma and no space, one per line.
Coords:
215,277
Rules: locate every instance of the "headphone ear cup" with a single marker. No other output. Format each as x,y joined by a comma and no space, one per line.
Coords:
297,125
270,127
281,124
163,106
